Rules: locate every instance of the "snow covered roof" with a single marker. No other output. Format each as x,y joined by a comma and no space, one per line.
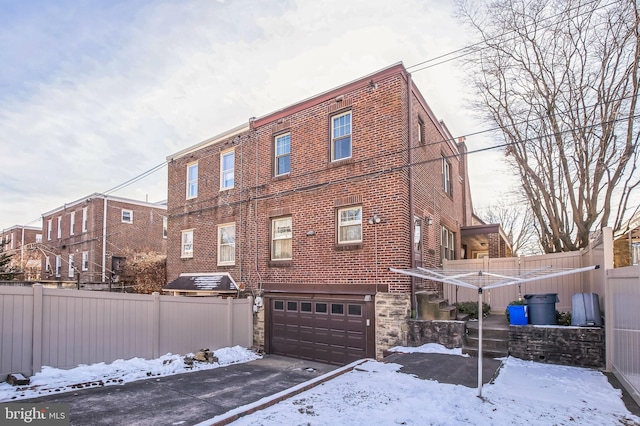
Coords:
214,282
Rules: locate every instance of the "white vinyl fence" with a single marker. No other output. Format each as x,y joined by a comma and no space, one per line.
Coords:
622,323
564,286
63,328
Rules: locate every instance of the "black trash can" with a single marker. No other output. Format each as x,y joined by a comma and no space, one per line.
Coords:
542,308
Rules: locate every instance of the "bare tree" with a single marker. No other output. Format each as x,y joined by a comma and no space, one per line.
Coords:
516,220
560,80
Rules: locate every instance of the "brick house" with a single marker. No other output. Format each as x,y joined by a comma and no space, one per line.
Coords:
307,208
88,239
20,242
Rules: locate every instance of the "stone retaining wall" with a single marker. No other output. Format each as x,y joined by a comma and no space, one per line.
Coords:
576,346
449,334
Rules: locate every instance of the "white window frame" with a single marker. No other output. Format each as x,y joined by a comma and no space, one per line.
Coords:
165,226
279,237
349,222
47,264
335,139
231,228
38,238
59,226
186,244
85,260
446,176
49,229
130,213
10,240
84,219
278,155
71,266
447,244
58,265
421,135
417,234
72,222
192,181
228,172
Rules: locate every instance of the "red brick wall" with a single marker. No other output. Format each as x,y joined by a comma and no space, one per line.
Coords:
144,234
376,177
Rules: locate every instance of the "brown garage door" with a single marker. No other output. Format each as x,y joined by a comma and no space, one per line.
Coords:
329,331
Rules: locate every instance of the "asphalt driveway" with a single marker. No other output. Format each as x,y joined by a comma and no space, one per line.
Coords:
187,399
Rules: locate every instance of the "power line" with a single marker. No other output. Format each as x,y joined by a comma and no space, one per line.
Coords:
472,47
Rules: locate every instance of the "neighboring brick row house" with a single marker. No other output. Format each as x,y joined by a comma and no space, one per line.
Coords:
87,240
20,241
308,207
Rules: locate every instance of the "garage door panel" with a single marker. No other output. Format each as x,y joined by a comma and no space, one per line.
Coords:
323,331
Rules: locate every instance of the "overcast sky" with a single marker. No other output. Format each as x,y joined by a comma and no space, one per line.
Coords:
94,93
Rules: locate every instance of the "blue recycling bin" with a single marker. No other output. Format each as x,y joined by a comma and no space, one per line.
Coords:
518,315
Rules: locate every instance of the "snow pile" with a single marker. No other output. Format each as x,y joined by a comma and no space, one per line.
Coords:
55,380
429,348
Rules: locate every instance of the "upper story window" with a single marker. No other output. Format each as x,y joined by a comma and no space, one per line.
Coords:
447,244
341,136
421,137
38,238
446,175
58,265
192,180
186,249
127,216
72,222
84,219
165,222
282,154
417,235
71,266
227,244
281,236
47,264
49,227
85,260
350,225
227,160
59,226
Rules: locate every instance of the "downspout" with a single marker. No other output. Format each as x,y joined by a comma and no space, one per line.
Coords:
255,206
22,249
104,240
410,159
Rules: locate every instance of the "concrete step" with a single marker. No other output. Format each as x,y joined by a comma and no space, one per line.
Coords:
488,333
488,344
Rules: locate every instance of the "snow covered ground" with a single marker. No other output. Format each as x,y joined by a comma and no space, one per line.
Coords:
54,380
377,393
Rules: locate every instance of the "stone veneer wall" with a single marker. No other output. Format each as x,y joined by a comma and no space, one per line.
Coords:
258,328
449,334
392,312
576,346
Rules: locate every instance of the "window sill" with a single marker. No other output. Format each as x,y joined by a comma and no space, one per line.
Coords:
280,263
281,177
341,162
222,265
346,247
186,257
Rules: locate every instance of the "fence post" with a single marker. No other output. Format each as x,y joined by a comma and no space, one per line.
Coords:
250,321
155,350
608,321
36,332
230,321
